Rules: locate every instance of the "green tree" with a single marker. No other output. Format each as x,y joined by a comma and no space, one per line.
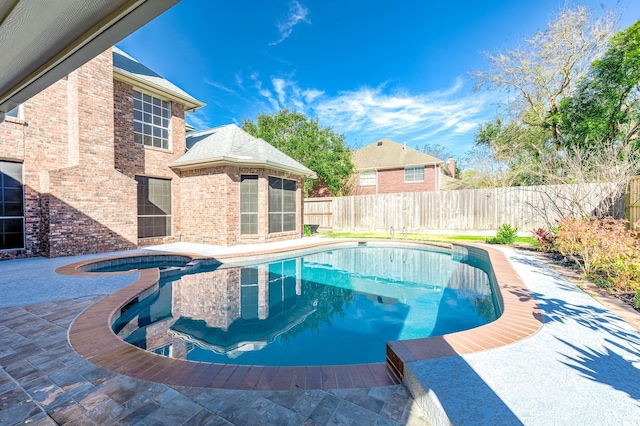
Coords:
605,110
303,139
522,149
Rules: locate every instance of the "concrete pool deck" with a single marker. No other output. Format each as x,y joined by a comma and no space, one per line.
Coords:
583,366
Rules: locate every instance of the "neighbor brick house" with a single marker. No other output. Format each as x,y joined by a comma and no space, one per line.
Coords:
386,166
85,167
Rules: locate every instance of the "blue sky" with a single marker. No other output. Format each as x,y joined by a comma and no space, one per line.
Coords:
369,69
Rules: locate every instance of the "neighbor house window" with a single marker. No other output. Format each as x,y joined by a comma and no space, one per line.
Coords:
11,206
248,204
368,178
151,118
154,207
414,174
249,293
15,113
282,205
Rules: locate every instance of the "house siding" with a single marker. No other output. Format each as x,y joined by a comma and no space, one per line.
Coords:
392,181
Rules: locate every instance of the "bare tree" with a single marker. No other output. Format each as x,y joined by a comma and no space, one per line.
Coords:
586,182
546,68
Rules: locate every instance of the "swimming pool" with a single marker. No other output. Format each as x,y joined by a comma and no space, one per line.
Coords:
333,307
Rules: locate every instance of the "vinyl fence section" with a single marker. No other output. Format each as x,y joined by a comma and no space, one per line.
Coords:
633,203
467,210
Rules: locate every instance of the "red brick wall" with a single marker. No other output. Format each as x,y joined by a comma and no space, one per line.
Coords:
211,205
392,181
92,207
135,159
75,201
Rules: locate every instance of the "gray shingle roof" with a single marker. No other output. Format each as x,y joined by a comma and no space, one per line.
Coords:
130,67
387,154
231,144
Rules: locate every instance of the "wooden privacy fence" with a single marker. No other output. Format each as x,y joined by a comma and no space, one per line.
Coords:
632,213
466,210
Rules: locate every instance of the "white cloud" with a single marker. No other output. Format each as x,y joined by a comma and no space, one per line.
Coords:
217,85
370,113
297,13
199,120
279,86
239,80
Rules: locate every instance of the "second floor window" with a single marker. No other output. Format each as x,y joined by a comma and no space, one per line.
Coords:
414,174
368,178
151,117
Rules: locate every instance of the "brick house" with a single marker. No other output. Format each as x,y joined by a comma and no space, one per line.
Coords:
85,167
257,189
386,166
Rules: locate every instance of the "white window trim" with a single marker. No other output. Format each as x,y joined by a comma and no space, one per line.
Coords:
240,204
269,211
413,168
169,127
19,117
370,172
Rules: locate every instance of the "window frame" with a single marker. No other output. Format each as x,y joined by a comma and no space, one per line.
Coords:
3,217
368,174
18,111
255,213
143,129
168,216
412,173
272,212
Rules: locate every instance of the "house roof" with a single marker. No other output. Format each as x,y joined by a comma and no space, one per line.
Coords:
132,71
387,154
230,144
42,41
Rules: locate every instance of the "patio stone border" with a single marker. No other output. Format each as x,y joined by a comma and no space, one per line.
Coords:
92,337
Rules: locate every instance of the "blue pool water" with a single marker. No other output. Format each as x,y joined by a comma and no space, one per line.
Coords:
335,307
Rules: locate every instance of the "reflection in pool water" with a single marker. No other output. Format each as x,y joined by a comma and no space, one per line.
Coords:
335,307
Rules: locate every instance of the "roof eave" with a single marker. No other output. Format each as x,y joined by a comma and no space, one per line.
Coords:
397,166
239,162
190,104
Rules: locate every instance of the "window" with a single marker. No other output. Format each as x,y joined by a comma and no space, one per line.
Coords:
11,206
15,113
282,205
414,174
248,204
154,207
282,286
368,178
151,120
249,293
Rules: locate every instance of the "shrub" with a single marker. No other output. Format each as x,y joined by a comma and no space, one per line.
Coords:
505,235
307,230
546,239
604,250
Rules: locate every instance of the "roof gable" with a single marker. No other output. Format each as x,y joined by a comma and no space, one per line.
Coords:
387,154
130,69
230,144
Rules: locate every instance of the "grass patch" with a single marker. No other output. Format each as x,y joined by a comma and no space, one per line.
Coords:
422,237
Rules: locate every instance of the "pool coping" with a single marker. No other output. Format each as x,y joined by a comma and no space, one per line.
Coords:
92,337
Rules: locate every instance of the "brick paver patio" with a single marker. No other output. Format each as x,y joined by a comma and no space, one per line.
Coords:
43,381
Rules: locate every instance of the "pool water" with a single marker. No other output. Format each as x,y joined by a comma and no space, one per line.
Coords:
335,307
